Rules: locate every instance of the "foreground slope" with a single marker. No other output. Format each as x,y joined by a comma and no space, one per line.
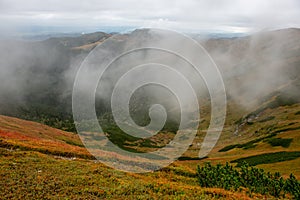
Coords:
27,135
30,168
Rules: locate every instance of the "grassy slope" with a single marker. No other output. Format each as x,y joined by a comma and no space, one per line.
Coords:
17,133
27,173
33,175
30,162
284,122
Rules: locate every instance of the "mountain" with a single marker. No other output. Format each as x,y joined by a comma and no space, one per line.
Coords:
255,66
259,71
261,76
35,81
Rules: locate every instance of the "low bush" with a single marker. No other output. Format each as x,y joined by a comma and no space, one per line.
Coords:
284,142
251,178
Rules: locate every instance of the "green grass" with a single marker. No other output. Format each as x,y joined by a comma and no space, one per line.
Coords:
268,158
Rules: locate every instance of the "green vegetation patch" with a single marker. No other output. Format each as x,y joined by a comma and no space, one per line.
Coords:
284,142
251,178
191,158
287,129
268,158
229,147
247,145
269,118
121,139
282,100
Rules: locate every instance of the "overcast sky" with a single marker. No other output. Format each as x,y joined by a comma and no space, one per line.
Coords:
202,15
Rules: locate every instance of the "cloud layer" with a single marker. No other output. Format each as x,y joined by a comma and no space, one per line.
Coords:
226,15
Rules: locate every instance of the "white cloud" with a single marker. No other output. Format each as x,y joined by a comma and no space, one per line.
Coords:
227,15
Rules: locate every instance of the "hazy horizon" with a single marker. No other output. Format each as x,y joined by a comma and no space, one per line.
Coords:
233,17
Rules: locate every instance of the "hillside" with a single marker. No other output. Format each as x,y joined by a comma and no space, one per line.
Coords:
27,135
38,161
272,130
44,71
49,161
46,157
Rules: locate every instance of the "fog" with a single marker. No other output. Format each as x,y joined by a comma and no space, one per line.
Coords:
40,75
255,66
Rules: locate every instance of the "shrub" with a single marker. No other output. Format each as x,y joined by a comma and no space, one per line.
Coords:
292,186
253,179
280,142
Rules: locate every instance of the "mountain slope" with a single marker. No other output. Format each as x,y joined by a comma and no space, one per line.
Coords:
27,135
260,133
29,170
